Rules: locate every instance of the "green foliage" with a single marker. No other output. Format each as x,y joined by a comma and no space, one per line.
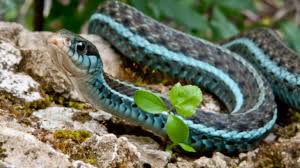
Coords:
9,9
194,16
187,147
221,26
187,16
185,99
149,102
292,35
70,16
213,20
177,130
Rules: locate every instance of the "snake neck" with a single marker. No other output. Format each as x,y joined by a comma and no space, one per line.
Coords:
96,89
114,96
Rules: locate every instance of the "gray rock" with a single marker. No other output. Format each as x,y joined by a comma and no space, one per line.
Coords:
100,115
270,138
24,150
181,163
80,164
217,161
150,153
54,118
10,31
112,152
10,56
5,165
19,85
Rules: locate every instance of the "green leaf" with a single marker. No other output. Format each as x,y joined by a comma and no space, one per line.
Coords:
149,102
237,5
177,130
291,35
185,99
186,147
183,12
221,26
146,6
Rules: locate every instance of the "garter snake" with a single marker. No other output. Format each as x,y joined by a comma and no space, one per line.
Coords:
242,82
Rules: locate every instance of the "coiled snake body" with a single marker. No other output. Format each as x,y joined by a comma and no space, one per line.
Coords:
244,91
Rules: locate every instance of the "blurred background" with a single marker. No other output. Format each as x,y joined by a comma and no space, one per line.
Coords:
213,20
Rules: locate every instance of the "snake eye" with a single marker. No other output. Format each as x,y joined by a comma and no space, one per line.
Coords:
81,48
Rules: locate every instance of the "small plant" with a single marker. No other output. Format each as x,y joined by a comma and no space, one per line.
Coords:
184,99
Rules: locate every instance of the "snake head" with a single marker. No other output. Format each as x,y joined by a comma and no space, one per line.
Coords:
74,55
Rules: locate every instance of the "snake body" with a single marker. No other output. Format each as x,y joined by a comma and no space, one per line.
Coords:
236,82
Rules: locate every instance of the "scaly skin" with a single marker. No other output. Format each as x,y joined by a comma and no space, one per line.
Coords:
244,91
279,64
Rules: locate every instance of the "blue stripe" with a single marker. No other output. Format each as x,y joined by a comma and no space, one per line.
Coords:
280,72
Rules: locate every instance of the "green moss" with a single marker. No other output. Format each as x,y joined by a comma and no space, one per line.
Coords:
270,162
81,117
288,131
59,99
92,161
296,116
70,143
76,105
270,157
77,136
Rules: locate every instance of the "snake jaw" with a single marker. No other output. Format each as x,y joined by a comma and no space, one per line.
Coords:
59,45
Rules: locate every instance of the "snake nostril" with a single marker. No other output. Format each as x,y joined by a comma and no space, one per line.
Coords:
67,41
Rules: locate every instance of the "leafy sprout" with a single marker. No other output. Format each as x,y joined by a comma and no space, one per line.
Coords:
184,99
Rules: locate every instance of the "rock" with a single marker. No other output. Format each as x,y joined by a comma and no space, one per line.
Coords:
150,153
20,149
7,121
10,31
128,154
251,155
10,56
6,165
270,138
19,85
111,152
80,164
284,153
180,163
29,40
217,161
48,75
54,118
245,164
100,115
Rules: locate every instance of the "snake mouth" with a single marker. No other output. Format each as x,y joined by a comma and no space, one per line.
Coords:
60,48
56,57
